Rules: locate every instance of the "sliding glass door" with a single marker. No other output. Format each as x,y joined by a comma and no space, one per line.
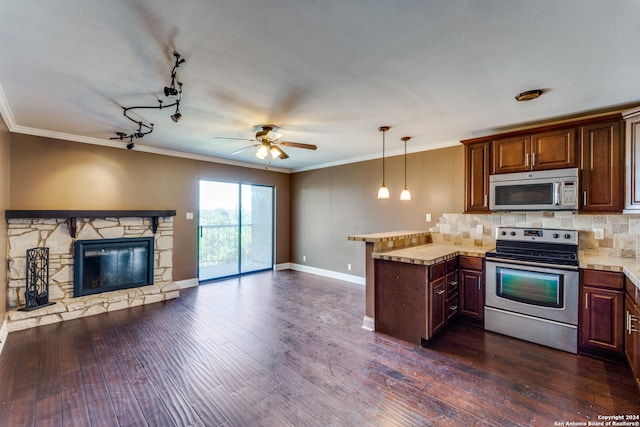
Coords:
235,229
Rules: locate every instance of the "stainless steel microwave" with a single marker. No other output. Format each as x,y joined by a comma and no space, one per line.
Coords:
536,190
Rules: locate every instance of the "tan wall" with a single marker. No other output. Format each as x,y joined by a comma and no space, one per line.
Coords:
330,204
4,205
54,174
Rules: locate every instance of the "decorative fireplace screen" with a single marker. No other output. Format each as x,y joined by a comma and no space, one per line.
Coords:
111,264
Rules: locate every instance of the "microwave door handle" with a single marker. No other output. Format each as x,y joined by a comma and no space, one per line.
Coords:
556,193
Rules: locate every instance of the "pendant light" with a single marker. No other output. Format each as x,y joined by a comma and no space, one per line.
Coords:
406,194
383,191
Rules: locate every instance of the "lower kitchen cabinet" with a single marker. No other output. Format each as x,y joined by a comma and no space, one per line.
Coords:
471,283
632,328
414,302
601,329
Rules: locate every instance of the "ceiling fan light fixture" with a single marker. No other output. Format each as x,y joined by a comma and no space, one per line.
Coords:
383,191
529,95
262,152
275,153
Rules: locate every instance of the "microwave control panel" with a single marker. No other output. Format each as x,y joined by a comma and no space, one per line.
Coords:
569,193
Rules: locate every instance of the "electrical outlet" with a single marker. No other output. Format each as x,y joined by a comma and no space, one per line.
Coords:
304,258
479,229
598,233
427,217
189,215
349,267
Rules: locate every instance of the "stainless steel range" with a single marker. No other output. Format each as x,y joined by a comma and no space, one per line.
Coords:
532,286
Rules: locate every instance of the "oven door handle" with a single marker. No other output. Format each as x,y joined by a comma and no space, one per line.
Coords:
533,264
556,193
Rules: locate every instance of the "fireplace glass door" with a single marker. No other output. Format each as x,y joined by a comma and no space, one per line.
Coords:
235,229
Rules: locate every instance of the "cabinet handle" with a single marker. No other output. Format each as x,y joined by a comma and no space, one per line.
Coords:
453,307
628,326
632,319
526,159
453,284
584,198
586,301
485,200
440,292
533,159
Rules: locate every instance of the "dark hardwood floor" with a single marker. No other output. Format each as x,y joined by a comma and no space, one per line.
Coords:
287,349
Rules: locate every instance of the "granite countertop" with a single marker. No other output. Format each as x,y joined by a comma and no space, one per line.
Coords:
431,253
375,237
629,266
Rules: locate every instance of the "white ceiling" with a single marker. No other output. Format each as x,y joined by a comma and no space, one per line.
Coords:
327,72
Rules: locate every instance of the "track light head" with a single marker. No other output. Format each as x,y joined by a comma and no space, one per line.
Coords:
130,145
176,117
170,91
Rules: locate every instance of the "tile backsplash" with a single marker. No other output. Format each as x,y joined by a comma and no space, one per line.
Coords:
621,232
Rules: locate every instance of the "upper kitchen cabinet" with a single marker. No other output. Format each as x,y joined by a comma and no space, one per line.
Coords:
602,167
537,151
632,152
477,177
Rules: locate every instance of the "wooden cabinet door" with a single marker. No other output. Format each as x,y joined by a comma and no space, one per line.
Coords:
471,294
554,150
401,300
477,177
602,167
602,319
437,299
631,340
511,154
632,151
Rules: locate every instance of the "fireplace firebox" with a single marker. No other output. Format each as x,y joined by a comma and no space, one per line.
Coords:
110,264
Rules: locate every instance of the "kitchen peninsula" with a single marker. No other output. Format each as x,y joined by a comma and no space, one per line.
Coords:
412,282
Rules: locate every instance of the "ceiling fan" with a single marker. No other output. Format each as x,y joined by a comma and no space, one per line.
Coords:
268,144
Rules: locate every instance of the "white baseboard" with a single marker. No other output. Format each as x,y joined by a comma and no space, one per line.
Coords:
187,283
4,331
369,323
328,273
283,266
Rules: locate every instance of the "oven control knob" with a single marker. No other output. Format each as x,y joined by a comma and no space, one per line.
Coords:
556,235
567,236
503,233
513,233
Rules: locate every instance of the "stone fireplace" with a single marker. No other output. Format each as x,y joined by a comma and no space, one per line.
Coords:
60,231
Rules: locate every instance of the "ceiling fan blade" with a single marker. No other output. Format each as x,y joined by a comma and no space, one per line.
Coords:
239,139
282,155
245,148
298,145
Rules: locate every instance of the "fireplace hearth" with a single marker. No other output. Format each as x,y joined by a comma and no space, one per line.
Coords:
105,265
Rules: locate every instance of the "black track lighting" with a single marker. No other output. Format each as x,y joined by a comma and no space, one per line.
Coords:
170,91
174,89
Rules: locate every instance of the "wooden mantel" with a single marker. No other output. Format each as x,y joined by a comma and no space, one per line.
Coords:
72,215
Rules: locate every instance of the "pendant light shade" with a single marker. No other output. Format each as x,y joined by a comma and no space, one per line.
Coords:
383,191
406,194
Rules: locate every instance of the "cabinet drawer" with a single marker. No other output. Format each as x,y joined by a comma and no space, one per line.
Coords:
451,306
452,264
470,262
437,270
603,279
